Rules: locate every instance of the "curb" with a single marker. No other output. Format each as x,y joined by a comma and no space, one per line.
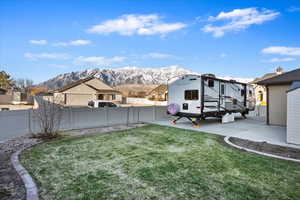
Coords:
226,139
30,186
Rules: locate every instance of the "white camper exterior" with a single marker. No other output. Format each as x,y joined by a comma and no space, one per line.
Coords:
206,96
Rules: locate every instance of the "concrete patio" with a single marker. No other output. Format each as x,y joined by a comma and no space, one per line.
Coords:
250,129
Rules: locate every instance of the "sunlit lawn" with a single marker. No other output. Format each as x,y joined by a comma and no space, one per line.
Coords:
154,162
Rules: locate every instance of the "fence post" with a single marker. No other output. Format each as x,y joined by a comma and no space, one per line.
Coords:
29,121
138,119
70,117
106,116
154,113
127,120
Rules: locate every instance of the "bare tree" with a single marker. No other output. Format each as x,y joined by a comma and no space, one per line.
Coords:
24,84
49,114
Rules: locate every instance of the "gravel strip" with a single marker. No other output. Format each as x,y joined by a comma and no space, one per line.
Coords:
261,152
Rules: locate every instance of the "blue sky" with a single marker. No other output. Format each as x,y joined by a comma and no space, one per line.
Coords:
41,39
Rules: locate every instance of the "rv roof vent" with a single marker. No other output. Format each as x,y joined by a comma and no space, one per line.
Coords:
232,81
209,75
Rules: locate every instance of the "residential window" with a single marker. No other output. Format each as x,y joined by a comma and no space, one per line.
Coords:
100,97
211,83
191,94
113,97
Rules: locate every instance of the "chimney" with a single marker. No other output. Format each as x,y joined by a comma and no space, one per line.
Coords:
279,70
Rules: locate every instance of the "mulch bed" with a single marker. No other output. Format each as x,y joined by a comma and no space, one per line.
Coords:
267,148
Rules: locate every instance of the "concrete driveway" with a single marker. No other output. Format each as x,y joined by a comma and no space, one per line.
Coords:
250,129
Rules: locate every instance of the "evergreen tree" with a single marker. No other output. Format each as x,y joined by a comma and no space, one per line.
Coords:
5,81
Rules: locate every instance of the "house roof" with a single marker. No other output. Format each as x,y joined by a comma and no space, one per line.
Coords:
74,84
295,85
103,90
264,77
285,78
161,89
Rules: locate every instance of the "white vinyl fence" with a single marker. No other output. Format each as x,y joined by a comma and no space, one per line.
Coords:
133,100
20,122
260,113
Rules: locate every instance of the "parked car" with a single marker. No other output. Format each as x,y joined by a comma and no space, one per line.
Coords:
101,104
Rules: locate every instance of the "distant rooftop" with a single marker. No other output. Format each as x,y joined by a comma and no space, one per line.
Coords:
277,72
285,78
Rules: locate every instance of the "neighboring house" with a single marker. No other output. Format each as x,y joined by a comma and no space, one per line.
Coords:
293,113
5,97
80,92
160,93
3,91
276,91
12,97
260,90
9,96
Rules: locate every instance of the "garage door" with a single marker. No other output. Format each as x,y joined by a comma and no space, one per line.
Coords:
78,99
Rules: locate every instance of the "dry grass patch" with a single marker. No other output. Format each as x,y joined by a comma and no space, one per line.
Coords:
155,162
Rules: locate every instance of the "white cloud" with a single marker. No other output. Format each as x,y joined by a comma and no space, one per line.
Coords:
38,42
279,60
223,55
33,56
238,19
281,50
158,55
74,43
293,9
97,60
136,24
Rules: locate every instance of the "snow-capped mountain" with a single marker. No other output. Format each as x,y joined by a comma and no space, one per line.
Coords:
242,80
114,77
125,75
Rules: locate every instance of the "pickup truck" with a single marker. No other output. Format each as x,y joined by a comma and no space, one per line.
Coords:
101,104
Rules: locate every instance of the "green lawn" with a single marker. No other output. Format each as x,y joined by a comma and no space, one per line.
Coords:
154,162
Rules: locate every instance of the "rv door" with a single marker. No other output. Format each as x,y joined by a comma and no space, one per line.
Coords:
222,95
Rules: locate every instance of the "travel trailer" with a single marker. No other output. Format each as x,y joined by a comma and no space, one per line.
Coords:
197,97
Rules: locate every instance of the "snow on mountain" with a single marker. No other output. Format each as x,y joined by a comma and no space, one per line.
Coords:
125,75
114,77
242,80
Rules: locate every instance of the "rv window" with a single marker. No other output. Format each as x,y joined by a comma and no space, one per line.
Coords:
222,89
242,92
191,94
211,83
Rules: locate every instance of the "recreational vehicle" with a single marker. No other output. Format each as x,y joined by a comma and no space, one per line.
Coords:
201,96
